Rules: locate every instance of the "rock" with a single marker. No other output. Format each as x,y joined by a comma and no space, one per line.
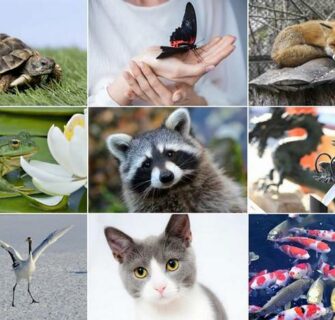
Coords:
312,83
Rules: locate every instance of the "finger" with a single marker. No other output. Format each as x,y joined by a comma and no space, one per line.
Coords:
134,86
179,95
163,93
195,70
219,45
220,51
131,94
144,83
220,54
210,44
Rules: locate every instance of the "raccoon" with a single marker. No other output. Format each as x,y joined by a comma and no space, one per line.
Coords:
168,170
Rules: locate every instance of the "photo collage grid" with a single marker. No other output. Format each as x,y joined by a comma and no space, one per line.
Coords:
167,159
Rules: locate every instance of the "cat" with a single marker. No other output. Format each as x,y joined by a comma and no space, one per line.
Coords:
159,272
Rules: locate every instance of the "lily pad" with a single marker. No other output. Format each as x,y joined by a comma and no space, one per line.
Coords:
19,204
43,153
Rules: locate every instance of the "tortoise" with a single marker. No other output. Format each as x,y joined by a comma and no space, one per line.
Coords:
20,65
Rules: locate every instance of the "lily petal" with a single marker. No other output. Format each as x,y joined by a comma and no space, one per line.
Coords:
49,201
77,120
59,148
78,152
43,175
51,168
58,188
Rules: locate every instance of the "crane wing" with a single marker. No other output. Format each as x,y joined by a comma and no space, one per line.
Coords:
16,257
49,240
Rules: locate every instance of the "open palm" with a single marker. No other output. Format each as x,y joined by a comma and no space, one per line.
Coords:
189,67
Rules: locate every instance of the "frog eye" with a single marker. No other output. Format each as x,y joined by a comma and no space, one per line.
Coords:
172,265
15,143
140,273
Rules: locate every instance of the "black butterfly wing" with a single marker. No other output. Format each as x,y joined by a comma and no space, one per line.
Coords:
170,51
183,38
187,33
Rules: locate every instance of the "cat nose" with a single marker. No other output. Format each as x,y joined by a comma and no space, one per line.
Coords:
160,289
166,176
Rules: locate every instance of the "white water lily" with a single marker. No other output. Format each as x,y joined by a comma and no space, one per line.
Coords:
69,149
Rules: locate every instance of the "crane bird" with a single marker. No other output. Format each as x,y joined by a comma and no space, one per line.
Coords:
24,269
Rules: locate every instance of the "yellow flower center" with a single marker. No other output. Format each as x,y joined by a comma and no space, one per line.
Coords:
76,120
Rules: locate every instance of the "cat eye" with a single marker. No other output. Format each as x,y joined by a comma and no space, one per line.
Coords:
140,272
172,265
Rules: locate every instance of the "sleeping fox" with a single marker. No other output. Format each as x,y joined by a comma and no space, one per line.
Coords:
303,42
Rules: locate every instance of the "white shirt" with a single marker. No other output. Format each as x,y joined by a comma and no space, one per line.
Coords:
120,31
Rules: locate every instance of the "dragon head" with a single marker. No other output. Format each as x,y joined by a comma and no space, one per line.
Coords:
274,127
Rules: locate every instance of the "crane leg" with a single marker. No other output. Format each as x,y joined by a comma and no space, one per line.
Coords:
13,305
33,300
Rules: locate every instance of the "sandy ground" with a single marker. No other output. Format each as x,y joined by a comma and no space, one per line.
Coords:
221,246
59,283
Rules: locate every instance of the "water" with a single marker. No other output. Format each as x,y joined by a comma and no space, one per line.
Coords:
272,259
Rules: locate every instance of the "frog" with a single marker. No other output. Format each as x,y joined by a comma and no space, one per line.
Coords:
11,149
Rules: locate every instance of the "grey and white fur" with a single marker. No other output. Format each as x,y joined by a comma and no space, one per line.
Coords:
169,170
159,272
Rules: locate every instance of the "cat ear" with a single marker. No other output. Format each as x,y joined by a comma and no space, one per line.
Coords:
179,226
119,242
179,121
118,145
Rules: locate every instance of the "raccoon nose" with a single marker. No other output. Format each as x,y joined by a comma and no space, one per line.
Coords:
166,176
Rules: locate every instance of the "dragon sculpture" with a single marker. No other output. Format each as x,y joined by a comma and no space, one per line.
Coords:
287,156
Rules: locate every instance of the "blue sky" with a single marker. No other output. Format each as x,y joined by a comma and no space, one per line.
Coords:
46,23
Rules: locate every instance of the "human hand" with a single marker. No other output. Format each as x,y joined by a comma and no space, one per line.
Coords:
189,67
145,85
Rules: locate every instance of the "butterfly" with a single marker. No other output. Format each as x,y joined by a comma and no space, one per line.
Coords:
183,38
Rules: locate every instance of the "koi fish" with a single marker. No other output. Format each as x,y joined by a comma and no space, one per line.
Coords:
308,243
327,235
305,312
254,309
294,252
255,276
332,300
326,270
266,280
282,229
301,270
285,296
315,292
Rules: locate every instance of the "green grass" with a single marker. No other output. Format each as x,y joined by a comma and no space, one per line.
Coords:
71,91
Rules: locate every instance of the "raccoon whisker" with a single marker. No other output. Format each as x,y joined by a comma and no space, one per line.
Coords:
147,193
138,185
187,161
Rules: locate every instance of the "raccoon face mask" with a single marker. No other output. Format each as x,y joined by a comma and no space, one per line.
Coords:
159,159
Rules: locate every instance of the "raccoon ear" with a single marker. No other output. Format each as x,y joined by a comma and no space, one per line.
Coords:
179,227
179,121
119,242
118,144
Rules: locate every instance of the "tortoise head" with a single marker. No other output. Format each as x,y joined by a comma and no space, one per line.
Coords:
37,65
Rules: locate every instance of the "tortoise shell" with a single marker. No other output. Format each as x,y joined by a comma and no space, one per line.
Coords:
13,53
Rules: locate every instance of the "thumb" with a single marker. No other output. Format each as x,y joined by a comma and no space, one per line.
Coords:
179,95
